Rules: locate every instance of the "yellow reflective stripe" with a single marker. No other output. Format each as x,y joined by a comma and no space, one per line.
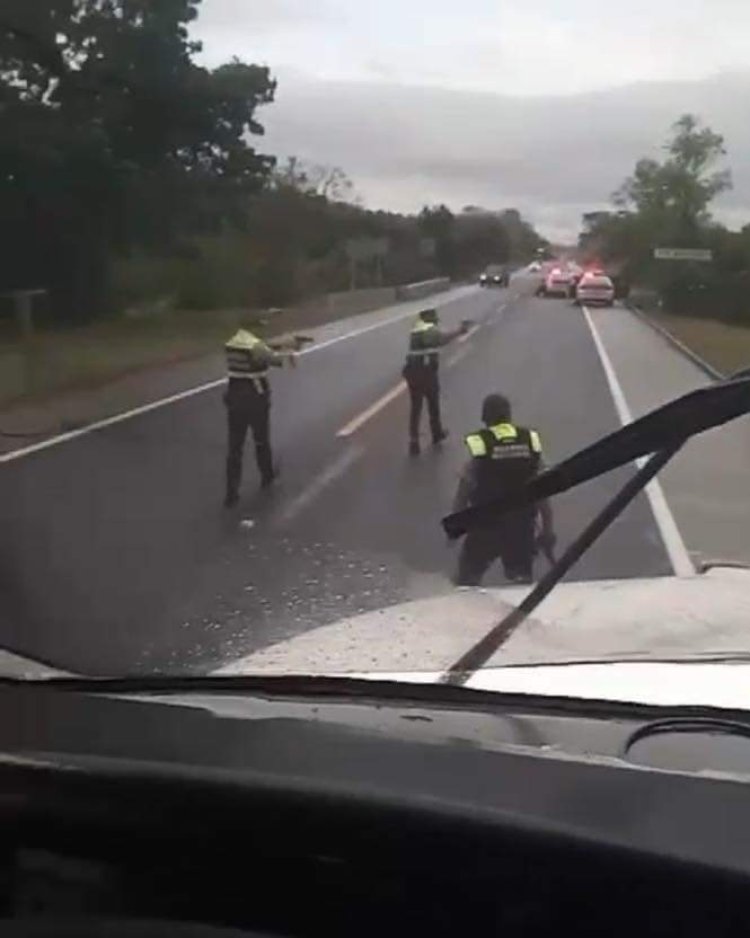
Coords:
536,441
244,340
476,444
504,431
421,326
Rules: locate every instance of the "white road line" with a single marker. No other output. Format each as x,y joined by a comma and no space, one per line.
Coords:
366,415
109,422
467,335
373,409
319,484
670,533
319,346
458,356
182,395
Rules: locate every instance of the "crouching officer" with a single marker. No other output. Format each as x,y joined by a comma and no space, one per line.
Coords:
421,373
248,403
503,456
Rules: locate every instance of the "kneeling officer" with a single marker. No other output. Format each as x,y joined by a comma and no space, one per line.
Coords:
503,456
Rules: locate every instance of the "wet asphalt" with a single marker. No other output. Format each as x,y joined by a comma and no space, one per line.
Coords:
117,557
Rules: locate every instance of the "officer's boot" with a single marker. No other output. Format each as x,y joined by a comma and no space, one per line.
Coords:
234,475
268,472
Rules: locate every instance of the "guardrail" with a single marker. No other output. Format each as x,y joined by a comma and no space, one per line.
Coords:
415,291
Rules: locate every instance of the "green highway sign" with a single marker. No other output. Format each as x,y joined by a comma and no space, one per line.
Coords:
704,255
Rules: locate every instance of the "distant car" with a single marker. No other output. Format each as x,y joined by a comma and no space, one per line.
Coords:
557,283
535,267
595,288
495,277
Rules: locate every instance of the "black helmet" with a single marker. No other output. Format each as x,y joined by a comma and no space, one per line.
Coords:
495,409
429,315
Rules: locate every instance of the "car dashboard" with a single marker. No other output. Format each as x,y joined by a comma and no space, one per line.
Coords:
289,815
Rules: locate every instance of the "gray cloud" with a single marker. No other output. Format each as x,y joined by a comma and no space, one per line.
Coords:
253,15
551,157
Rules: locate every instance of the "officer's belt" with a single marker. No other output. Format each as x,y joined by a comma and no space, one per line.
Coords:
423,356
259,379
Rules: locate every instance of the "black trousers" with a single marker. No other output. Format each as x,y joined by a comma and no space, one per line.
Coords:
248,409
513,545
424,389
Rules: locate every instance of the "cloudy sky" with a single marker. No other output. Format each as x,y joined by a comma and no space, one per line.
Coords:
400,92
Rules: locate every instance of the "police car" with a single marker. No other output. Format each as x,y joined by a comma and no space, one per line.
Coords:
595,287
557,283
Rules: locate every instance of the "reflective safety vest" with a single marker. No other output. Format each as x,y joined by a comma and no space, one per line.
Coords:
247,358
506,456
424,346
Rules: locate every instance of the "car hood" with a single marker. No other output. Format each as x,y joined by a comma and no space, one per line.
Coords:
603,639
663,641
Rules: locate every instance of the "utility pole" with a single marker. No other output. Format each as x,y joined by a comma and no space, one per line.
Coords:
23,308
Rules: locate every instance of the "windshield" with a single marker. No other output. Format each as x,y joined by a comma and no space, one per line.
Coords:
252,353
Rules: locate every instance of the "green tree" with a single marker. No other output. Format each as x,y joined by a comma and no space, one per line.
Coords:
112,137
481,239
663,204
438,224
676,193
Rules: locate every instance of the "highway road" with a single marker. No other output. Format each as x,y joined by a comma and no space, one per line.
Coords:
117,557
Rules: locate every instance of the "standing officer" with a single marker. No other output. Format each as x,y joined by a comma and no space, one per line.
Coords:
248,402
503,456
421,374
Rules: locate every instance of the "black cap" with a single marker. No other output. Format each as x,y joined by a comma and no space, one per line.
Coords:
495,409
429,315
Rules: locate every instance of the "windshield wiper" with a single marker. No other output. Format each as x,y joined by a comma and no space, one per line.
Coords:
662,433
667,427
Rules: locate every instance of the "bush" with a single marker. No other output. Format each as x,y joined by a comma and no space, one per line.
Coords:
213,272
711,295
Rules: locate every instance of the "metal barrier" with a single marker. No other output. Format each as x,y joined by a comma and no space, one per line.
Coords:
415,291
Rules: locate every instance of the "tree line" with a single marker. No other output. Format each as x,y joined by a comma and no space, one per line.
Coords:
128,171
666,203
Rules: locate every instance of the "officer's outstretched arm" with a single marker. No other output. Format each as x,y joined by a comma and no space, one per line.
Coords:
273,356
452,334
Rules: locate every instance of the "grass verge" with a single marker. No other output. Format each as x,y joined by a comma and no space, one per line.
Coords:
89,357
724,346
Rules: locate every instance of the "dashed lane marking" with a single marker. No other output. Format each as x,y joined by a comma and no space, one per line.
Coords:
324,480
372,410
382,402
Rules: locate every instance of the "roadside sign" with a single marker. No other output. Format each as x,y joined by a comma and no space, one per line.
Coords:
702,255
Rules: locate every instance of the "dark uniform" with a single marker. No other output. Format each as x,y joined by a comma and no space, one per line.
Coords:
421,373
248,402
503,456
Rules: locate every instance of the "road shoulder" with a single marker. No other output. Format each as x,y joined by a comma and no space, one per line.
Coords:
706,484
